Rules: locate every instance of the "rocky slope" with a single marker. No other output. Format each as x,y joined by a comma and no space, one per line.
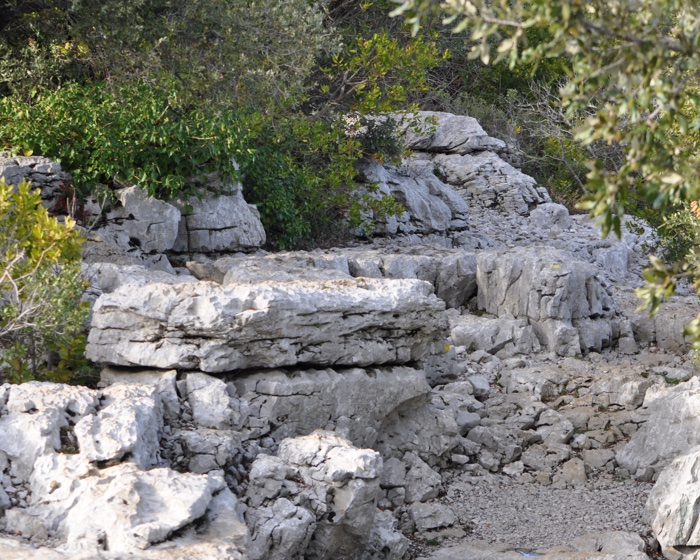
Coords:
478,380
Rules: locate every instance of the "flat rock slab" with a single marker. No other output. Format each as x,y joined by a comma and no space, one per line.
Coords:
348,322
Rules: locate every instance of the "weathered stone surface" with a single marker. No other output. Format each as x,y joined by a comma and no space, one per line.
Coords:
431,131
418,426
428,517
430,205
218,223
106,277
163,381
44,174
120,506
216,329
128,423
568,307
210,401
674,507
503,337
331,490
550,216
141,221
487,181
353,402
452,273
672,428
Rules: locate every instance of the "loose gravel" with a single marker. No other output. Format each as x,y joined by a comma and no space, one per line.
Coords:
495,508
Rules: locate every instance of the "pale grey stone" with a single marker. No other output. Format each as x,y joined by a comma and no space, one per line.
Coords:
129,423
142,221
218,223
210,401
164,381
431,131
428,517
673,505
353,401
422,482
673,426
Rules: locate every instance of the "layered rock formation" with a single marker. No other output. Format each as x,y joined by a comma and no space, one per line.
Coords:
326,404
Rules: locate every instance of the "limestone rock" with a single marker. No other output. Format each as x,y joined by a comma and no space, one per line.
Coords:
428,517
163,381
672,428
354,402
430,131
141,221
488,182
128,423
568,307
215,329
430,205
336,484
502,337
673,507
218,223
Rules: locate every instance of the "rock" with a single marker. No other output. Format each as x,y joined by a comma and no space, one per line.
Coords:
673,426
280,531
210,401
164,382
354,402
562,298
428,517
209,450
27,437
430,131
503,337
337,483
119,507
430,205
141,221
452,273
673,507
106,277
129,423
419,426
550,216
488,182
422,482
385,542
218,223
352,322
573,472
597,459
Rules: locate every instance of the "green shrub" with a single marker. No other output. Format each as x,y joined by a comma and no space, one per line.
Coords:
133,133
42,319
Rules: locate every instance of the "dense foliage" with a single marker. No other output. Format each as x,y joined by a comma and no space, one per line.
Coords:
41,314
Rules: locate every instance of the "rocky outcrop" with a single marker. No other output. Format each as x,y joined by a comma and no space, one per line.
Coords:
673,507
673,426
224,328
45,174
218,223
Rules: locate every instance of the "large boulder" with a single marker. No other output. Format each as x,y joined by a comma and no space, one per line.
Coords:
353,322
674,507
316,499
218,223
563,299
353,402
673,426
430,205
432,131
486,181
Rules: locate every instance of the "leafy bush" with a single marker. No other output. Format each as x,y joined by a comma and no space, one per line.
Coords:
42,319
133,133
299,172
